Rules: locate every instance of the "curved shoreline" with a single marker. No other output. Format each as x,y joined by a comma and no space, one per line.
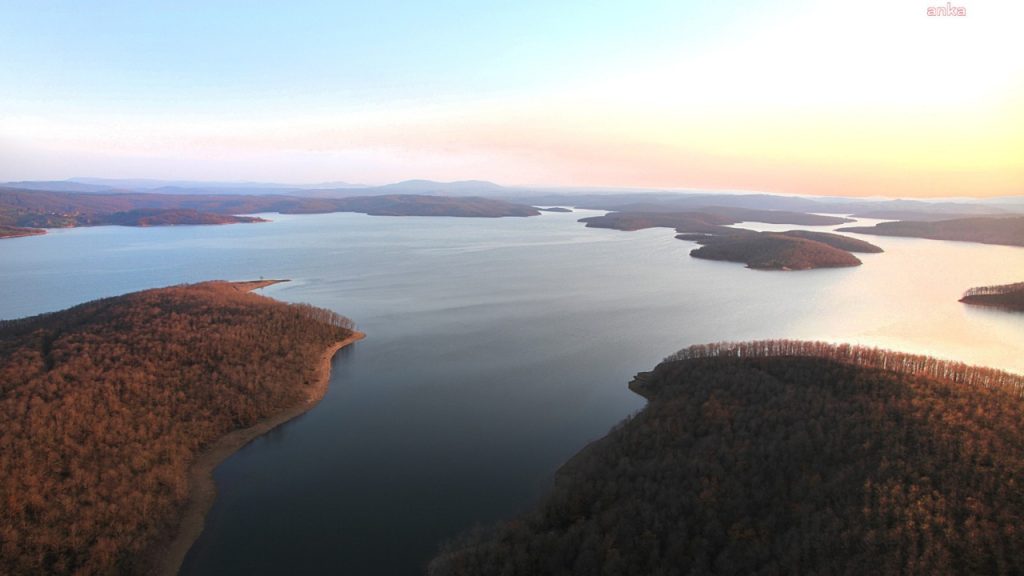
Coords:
167,558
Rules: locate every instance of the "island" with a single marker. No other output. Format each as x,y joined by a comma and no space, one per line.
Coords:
1005,296
711,227
560,209
791,250
707,219
21,209
1004,230
114,413
783,457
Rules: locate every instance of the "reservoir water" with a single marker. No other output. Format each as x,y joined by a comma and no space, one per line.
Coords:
495,350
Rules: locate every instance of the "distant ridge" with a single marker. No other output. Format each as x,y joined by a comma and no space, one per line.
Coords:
596,198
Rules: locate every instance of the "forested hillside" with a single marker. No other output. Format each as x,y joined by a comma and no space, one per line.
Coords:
104,406
784,458
1006,230
772,251
51,209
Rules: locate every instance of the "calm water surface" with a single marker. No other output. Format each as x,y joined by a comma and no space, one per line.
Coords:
496,349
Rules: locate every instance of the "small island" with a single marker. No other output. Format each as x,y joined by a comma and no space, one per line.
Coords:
705,220
560,209
1004,230
1005,296
783,457
114,413
792,250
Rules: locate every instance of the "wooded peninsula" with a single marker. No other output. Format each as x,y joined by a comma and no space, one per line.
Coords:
105,407
1004,296
26,212
784,457
1005,230
710,227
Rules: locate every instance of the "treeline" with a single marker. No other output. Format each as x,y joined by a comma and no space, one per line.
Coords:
771,251
16,231
994,290
52,209
866,356
776,458
1006,230
1006,296
325,316
104,406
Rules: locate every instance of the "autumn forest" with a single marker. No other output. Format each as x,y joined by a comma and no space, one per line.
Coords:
104,406
784,457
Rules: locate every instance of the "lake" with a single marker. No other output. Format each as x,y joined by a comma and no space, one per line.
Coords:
495,350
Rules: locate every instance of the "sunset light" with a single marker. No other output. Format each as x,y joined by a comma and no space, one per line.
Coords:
871,98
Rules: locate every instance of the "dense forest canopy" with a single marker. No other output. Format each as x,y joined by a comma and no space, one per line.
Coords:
784,457
1005,296
710,219
835,240
104,406
775,251
1006,230
50,209
711,227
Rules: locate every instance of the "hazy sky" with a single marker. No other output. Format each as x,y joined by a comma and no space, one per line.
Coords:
869,97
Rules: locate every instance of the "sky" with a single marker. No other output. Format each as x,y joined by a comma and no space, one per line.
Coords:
858,98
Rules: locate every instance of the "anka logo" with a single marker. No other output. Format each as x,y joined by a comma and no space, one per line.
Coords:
947,10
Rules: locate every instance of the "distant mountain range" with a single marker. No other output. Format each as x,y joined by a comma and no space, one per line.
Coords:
317,190
614,199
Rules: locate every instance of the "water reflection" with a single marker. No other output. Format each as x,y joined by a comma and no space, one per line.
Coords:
496,349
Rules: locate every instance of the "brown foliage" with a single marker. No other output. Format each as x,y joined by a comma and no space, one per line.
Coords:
104,406
784,457
709,219
46,209
1006,230
771,251
1007,296
15,231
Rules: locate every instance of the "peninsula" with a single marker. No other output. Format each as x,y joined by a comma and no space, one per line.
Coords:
1005,230
1005,296
17,232
22,209
114,413
706,219
710,227
784,457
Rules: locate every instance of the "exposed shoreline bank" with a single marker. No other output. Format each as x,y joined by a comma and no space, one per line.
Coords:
167,559
28,232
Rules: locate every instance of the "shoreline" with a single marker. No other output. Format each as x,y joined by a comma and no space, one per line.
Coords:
168,557
34,232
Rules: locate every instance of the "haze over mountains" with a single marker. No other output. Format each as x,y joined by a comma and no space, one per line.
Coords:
619,199
27,206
